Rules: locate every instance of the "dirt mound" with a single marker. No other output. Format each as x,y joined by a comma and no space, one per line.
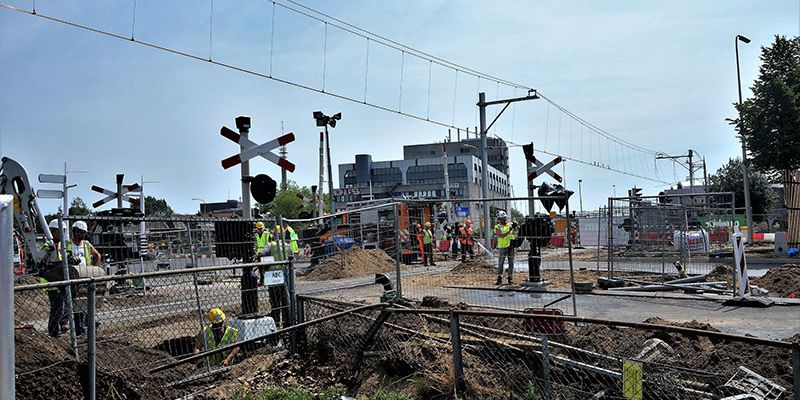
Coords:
352,263
474,266
784,280
438,302
45,368
721,273
693,324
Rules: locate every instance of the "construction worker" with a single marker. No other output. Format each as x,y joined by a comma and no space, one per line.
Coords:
505,234
418,237
263,237
466,240
289,236
53,272
217,334
81,251
427,245
454,242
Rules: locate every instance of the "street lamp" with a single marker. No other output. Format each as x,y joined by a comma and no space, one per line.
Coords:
580,194
748,211
201,204
614,189
324,120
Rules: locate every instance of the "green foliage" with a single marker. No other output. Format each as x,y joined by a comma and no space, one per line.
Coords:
331,393
424,388
728,178
278,393
156,207
532,392
516,215
771,118
286,202
79,207
384,394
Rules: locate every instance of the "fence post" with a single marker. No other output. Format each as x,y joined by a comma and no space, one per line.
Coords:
91,339
200,315
67,289
397,249
290,285
546,387
796,369
610,238
599,230
458,367
7,297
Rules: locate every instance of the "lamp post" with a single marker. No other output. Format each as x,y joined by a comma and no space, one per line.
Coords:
324,120
614,190
748,211
580,194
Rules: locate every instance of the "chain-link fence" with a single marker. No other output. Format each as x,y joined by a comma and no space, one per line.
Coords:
433,252
668,235
497,355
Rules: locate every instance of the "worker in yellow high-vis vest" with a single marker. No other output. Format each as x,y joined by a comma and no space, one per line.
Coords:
505,234
217,334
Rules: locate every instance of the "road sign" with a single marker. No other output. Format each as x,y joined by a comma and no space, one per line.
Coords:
462,211
252,149
113,195
49,194
50,178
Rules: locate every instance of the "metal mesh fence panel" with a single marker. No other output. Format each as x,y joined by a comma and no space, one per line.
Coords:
658,237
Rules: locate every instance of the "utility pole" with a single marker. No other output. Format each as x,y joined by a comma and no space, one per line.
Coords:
446,179
330,170
482,104
580,194
243,126
691,172
320,197
282,152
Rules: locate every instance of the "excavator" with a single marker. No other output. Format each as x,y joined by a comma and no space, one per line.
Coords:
29,222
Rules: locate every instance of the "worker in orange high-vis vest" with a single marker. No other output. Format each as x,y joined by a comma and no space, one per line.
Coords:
466,239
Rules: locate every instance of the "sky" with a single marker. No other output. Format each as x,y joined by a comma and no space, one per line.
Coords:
658,74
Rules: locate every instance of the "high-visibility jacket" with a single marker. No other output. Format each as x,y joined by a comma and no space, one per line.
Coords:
427,236
504,241
229,337
293,240
465,235
87,250
262,241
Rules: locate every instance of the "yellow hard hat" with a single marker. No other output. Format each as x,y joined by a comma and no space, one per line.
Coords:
277,228
259,225
216,316
427,224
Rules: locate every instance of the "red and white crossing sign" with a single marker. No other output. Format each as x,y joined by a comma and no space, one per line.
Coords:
539,167
252,149
122,193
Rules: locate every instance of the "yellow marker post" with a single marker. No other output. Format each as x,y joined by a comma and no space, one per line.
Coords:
632,380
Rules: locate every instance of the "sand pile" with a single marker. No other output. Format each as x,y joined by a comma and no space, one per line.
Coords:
352,263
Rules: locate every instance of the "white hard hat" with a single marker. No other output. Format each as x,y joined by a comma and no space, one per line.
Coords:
502,214
54,224
80,225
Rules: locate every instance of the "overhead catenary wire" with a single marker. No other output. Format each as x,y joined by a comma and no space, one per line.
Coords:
369,36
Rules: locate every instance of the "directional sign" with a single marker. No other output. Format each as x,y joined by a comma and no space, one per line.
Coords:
49,194
50,178
252,149
113,195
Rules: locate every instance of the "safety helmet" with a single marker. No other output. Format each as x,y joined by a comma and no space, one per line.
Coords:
216,316
259,225
418,225
277,228
467,222
427,224
502,215
80,225
54,224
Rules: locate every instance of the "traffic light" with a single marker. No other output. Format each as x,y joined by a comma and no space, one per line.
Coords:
635,192
559,193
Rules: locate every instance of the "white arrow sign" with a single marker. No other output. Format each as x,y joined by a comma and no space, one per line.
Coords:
251,149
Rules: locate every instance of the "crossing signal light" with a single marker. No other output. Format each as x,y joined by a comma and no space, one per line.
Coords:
559,196
263,188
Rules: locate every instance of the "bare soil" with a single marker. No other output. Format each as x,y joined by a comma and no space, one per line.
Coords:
784,280
46,369
351,263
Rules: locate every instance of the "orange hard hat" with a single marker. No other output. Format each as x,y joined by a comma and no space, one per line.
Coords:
467,222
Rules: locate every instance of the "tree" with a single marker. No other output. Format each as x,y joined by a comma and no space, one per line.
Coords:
286,203
516,215
728,178
770,122
154,207
78,207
